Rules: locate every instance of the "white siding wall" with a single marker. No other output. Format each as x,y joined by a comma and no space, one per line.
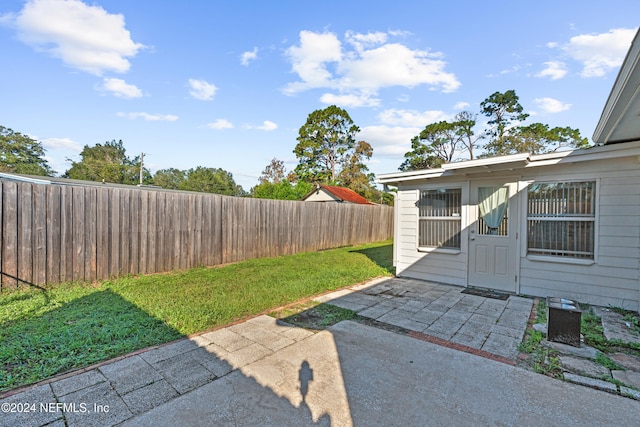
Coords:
613,280
434,266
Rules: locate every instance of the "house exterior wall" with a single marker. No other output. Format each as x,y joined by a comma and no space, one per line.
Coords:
439,266
611,279
321,196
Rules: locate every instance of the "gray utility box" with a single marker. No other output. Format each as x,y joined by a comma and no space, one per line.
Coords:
563,321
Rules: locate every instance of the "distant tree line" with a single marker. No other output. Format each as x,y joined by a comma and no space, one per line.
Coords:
327,152
446,141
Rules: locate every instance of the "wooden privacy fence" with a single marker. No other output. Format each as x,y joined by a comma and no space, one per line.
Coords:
55,233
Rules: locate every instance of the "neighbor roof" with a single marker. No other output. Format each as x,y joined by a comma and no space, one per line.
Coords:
342,194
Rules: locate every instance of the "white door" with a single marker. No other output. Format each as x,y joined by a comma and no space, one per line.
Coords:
493,235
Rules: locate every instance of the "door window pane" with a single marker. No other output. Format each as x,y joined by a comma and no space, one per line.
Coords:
492,211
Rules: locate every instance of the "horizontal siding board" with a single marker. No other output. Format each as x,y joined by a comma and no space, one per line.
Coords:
627,221
617,251
597,295
619,230
592,274
618,262
619,241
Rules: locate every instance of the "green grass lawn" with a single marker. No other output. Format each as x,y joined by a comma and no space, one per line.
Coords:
48,332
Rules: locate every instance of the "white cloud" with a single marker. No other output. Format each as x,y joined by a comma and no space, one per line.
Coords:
249,56
461,105
411,118
363,41
350,100
84,37
61,144
366,64
600,53
266,126
202,90
550,105
120,88
554,70
310,58
389,141
220,124
149,117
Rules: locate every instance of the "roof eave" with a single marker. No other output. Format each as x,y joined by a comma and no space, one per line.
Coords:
623,96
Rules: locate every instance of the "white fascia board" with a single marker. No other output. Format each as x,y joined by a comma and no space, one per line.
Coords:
391,178
488,162
610,151
622,95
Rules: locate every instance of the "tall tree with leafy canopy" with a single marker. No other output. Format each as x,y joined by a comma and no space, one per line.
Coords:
440,142
21,154
503,109
326,142
354,172
539,138
108,162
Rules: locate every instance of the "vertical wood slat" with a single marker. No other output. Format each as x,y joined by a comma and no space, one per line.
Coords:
78,234
91,234
66,234
56,233
25,234
9,235
114,233
102,235
143,245
53,234
40,235
125,232
161,246
134,232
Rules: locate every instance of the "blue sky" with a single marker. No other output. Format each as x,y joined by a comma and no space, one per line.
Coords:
228,84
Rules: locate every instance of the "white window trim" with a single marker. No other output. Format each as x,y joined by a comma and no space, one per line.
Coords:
596,220
436,249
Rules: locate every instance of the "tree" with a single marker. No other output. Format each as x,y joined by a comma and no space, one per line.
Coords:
274,172
283,190
538,138
108,162
325,142
502,109
170,178
211,180
441,142
354,174
21,154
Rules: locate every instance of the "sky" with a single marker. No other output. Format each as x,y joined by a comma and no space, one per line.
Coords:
228,84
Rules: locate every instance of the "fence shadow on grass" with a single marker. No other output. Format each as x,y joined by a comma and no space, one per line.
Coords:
72,335
381,255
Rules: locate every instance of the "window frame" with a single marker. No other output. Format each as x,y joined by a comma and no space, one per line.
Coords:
594,219
459,219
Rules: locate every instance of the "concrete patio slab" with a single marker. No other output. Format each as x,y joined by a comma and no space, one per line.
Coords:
325,380
266,372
